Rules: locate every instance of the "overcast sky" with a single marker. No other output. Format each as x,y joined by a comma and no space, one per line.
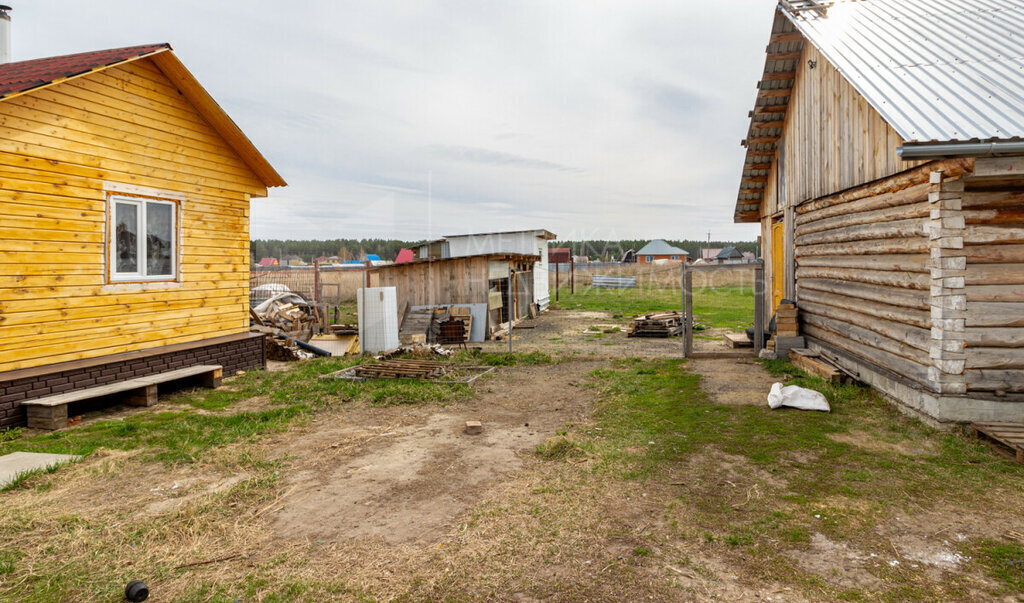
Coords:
412,119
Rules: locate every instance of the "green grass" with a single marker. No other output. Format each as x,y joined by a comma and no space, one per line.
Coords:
654,417
174,434
505,359
729,307
1003,561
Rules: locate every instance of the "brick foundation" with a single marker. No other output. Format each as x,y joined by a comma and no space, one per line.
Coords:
233,353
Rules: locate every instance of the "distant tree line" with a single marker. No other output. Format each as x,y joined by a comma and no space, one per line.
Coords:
613,250
387,249
345,249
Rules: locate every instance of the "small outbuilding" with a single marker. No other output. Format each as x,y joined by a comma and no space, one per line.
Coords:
480,282
124,224
515,242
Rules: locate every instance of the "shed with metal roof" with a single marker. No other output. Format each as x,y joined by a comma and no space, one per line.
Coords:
885,165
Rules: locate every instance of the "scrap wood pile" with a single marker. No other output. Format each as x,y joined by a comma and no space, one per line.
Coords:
287,319
661,324
425,325
346,329
447,373
402,368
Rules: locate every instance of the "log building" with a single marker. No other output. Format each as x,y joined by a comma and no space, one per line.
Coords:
885,166
124,224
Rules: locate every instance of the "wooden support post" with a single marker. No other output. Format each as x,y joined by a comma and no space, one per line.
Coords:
688,310
212,379
572,274
759,304
146,396
556,281
682,303
47,417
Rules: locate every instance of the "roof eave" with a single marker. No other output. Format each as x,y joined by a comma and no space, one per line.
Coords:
219,120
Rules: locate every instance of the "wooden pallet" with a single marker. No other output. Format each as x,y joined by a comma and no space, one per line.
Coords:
400,368
445,373
1009,435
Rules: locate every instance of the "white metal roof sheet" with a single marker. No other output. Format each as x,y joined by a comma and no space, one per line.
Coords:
936,70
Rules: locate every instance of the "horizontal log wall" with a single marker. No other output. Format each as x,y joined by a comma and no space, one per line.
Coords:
58,147
863,271
994,282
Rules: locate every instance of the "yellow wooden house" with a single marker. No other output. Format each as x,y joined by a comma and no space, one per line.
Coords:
124,224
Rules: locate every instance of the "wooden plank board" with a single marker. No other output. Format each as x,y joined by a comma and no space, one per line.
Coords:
809,362
124,386
738,340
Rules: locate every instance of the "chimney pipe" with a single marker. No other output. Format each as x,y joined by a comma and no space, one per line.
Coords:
5,34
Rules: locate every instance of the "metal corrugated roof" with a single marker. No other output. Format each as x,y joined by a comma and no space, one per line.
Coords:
936,70
660,247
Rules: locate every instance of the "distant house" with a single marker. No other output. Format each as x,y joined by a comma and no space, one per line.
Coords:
658,249
268,262
292,260
729,255
520,242
708,254
126,199
405,256
372,257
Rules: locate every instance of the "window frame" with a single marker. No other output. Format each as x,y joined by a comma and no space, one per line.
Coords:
139,276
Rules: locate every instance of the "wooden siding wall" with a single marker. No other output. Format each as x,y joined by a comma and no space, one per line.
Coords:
832,139
452,281
994,282
863,273
58,145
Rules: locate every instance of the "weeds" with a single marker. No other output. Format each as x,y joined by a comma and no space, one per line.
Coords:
1002,560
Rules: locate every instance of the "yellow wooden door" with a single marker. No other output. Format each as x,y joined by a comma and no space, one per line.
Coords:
778,264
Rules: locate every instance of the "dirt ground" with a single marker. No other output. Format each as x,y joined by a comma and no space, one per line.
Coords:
404,474
399,501
580,333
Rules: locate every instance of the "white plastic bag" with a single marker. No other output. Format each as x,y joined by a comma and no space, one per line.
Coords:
797,397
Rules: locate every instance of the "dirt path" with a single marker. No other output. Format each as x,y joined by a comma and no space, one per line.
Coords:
733,381
403,474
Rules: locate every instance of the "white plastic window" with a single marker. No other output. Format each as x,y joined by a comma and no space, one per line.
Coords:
143,245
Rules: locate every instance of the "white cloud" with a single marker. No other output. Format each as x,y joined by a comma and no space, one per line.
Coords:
412,119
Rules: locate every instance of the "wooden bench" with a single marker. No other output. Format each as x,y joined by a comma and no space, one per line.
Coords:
51,412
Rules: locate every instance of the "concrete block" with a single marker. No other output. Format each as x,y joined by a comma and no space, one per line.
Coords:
14,464
146,396
474,427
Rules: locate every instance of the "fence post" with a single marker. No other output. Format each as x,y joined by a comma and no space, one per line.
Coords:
556,281
316,294
572,274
